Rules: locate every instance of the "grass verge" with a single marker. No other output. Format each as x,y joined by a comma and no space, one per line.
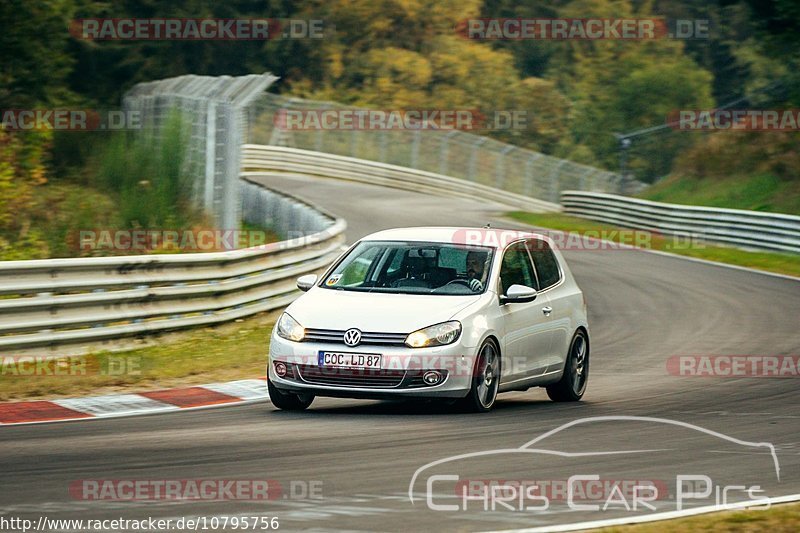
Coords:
237,350
778,519
759,192
769,261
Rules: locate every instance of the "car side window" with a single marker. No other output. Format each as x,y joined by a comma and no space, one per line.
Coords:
355,273
516,268
546,263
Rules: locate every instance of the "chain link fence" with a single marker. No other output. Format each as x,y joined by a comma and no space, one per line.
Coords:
223,113
214,110
451,153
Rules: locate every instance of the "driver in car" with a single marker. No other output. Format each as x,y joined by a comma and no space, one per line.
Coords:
476,264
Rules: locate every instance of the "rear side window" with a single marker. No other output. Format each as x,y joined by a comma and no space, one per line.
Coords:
546,263
516,268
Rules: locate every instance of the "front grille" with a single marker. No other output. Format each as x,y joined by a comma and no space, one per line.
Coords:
367,337
351,377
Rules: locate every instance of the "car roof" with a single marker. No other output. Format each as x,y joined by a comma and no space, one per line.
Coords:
489,237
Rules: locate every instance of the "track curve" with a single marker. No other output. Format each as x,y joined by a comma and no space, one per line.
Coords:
643,309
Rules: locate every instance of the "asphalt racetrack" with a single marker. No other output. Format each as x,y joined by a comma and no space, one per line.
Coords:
359,457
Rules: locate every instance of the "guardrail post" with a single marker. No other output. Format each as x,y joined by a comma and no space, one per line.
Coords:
415,148
353,142
318,141
622,181
500,166
555,181
583,181
529,174
277,136
229,187
382,147
473,158
444,152
211,155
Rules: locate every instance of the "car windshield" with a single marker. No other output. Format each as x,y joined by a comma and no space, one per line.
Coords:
412,268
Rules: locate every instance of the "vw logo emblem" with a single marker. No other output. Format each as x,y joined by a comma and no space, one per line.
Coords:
352,337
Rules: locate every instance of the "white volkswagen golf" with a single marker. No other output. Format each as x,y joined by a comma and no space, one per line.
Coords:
460,314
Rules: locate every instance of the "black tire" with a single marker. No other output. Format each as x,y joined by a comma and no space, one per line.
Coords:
485,379
288,401
572,385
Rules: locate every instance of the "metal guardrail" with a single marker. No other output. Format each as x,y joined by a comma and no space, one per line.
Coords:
746,229
221,113
459,154
53,303
258,159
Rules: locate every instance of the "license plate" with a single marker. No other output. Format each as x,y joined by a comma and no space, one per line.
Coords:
349,360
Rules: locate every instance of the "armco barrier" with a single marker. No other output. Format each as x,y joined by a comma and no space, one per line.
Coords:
54,304
262,158
746,229
51,304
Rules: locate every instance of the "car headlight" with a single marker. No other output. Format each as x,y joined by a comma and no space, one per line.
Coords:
290,329
436,335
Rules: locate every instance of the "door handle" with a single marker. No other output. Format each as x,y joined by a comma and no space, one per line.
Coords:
547,310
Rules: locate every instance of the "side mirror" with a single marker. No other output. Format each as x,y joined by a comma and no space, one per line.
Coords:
518,294
306,282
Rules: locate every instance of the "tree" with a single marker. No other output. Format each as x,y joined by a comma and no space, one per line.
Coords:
618,86
33,47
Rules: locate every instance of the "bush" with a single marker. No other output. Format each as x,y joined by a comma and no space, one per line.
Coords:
151,177
137,181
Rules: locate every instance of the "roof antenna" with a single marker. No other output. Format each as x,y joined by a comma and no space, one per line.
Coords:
488,225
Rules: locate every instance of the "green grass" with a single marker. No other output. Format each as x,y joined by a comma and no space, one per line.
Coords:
237,350
760,192
256,233
61,210
768,261
778,519
149,177
55,215
135,182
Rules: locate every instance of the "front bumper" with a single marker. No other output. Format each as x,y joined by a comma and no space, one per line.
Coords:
400,375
